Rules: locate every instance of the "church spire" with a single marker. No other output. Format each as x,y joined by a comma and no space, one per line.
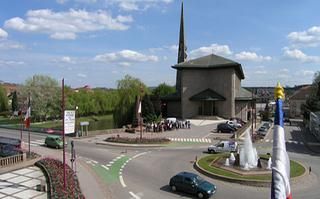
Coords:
182,52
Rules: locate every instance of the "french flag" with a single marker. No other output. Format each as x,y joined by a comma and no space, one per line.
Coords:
27,118
280,185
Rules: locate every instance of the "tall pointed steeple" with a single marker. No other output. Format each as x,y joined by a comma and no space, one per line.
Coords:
182,52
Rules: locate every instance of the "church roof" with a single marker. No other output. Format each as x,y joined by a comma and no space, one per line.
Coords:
244,94
210,62
207,95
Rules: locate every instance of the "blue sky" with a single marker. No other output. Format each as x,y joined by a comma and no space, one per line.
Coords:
97,42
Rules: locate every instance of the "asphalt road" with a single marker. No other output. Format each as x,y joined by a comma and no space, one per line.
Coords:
145,172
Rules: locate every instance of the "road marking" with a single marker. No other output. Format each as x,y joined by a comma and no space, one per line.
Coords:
121,181
134,195
206,135
267,140
105,167
140,154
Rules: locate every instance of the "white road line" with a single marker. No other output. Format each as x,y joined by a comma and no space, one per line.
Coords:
267,140
134,195
33,144
140,154
206,135
94,161
203,140
111,162
105,167
108,165
121,181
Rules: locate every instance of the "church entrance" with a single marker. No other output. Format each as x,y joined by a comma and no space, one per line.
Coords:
207,108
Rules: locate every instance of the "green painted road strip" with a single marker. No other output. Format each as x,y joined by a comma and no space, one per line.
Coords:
111,175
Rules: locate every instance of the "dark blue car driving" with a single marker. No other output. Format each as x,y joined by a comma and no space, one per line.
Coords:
192,183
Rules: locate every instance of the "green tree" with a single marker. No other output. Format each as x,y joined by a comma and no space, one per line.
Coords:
313,101
163,90
3,100
45,94
148,112
160,91
128,89
14,103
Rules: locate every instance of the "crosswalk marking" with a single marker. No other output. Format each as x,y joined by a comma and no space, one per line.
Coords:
34,143
195,140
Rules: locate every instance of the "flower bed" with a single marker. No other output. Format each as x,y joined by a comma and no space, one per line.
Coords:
137,140
53,170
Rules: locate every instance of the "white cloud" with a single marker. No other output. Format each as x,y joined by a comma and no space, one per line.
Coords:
10,45
222,50
125,57
307,72
299,55
82,75
61,1
66,25
10,62
260,72
284,70
310,37
65,59
3,34
251,56
134,5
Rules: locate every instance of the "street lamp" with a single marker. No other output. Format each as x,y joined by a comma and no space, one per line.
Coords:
76,129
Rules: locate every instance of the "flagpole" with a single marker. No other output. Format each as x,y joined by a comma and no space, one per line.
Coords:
29,127
63,137
21,120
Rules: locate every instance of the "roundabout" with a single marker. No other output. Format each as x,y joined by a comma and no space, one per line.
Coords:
212,166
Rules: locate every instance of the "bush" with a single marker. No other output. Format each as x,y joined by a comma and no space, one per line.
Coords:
137,140
54,170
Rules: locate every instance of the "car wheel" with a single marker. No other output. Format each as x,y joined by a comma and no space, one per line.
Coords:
173,188
200,195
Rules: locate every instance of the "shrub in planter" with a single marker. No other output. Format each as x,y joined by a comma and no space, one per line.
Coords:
54,169
137,140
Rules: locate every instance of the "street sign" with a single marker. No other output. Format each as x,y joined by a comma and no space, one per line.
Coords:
69,121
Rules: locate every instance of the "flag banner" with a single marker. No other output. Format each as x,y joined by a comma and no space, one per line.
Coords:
27,118
139,109
280,184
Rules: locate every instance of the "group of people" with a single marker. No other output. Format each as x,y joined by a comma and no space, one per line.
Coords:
167,125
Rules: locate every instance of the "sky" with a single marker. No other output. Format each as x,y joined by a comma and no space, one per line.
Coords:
98,42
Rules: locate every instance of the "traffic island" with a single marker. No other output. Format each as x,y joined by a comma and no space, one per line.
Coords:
209,166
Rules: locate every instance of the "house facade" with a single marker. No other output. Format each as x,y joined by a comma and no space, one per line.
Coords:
297,99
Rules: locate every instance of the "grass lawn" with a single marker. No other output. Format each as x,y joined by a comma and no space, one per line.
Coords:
295,168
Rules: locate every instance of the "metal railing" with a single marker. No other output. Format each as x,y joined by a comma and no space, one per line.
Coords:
11,160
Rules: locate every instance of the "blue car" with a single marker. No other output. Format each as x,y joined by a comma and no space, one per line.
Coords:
192,183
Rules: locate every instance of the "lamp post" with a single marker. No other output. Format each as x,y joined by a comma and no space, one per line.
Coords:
76,129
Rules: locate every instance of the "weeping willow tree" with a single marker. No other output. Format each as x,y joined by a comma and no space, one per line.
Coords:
128,89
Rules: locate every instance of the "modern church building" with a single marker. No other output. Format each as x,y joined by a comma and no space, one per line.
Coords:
207,86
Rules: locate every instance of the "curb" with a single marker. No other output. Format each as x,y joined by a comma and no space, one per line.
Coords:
254,183
128,145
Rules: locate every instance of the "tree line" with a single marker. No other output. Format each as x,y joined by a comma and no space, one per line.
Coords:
45,97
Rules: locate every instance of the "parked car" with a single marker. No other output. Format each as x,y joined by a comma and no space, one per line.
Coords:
262,130
267,125
225,128
223,146
234,124
238,120
53,141
193,184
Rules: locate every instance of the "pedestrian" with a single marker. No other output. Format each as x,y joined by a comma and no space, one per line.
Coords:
309,170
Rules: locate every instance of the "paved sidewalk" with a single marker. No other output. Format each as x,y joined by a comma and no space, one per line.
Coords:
21,184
